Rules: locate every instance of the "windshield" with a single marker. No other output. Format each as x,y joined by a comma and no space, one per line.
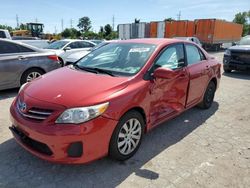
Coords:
245,41
119,58
57,44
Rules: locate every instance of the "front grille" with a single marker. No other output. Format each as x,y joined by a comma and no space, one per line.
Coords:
243,57
33,113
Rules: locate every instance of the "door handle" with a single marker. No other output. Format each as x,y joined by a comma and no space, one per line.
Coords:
21,58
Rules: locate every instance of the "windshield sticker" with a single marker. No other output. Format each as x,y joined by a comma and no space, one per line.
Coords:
139,50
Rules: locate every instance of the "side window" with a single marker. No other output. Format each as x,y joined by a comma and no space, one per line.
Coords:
2,34
193,54
84,44
73,45
172,57
8,47
24,49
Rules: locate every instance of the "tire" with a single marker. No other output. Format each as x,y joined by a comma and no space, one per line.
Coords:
227,70
61,62
124,144
208,97
31,74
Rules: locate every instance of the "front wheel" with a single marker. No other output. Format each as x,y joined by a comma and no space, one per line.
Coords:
127,136
227,70
208,96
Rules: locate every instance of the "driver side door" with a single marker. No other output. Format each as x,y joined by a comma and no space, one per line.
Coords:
168,96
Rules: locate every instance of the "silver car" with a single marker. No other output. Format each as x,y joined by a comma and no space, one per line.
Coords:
21,63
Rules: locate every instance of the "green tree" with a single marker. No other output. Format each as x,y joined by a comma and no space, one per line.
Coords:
101,32
23,26
9,28
84,24
107,30
242,18
169,20
70,33
137,20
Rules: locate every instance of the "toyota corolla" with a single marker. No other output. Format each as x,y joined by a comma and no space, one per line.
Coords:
104,103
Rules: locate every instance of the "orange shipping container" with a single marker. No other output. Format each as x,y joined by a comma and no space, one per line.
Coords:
153,29
181,28
213,31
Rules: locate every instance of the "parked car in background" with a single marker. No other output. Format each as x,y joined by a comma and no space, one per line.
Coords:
192,39
96,41
238,57
103,104
74,57
21,63
36,43
4,34
63,48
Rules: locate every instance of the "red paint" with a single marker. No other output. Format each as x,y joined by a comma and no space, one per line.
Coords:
160,99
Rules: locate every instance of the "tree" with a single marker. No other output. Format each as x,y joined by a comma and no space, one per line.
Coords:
70,33
84,24
169,20
137,20
23,26
242,18
107,30
6,27
101,32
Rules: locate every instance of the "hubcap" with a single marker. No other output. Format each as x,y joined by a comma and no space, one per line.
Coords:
129,136
32,76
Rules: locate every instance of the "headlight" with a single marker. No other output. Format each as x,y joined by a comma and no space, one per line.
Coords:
227,52
21,88
83,114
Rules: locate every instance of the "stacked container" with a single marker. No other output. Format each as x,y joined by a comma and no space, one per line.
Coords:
124,31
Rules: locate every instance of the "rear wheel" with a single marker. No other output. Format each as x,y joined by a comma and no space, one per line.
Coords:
208,96
127,136
30,75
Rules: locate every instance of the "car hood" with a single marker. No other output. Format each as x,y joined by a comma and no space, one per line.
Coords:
240,48
72,88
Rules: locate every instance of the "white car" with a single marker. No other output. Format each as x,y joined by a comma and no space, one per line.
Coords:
66,47
193,39
4,34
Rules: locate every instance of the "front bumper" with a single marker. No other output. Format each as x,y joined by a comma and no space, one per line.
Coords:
54,142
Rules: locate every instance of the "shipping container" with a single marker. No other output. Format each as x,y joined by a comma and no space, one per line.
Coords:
190,29
134,31
124,31
147,30
160,29
177,29
153,29
214,32
141,30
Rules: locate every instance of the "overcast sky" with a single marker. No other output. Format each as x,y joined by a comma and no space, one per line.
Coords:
51,12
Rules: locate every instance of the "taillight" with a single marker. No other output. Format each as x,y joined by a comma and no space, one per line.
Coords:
53,57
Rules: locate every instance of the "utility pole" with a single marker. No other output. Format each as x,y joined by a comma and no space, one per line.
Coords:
55,30
179,16
113,22
62,25
71,23
17,21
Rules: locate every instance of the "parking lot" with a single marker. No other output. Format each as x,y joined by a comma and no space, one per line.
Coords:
200,148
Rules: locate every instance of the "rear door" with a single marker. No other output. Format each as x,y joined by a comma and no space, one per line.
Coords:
13,58
198,71
168,96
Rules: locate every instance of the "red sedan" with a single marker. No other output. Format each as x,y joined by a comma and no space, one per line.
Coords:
103,104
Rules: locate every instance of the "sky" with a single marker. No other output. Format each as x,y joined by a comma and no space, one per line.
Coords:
52,12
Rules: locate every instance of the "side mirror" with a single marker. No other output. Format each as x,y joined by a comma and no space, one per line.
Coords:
164,73
234,43
67,48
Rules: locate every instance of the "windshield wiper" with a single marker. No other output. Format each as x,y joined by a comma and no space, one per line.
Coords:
103,71
94,70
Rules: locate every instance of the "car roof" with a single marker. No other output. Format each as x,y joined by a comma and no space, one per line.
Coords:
22,44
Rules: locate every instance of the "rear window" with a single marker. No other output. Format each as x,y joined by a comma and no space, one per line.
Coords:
9,48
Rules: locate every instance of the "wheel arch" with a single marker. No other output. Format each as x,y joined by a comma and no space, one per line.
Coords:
28,69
